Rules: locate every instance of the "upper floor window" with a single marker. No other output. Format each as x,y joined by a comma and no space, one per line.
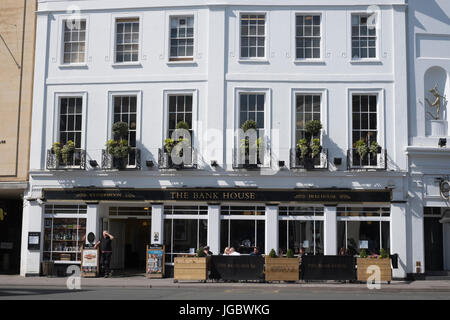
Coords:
308,36
125,110
74,41
364,117
364,36
181,38
70,120
253,35
127,40
180,110
251,107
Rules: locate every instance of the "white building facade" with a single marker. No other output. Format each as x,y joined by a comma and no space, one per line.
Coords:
428,156
214,65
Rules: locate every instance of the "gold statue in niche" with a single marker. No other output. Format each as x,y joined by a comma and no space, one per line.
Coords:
437,102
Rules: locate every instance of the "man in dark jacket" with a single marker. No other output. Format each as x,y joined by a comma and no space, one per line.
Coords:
105,244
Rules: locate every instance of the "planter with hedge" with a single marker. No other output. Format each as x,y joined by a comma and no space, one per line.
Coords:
281,268
192,268
118,147
245,146
63,153
171,144
365,266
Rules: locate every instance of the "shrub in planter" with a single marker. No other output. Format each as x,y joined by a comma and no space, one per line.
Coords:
119,150
365,266
56,150
67,151
374,148
309,147
280,268
361,148
289,254
245,143
363,253
120,130
273,254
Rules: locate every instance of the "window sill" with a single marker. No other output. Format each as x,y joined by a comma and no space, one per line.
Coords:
126,65
73,66
366,61
310,61
175,61
253,61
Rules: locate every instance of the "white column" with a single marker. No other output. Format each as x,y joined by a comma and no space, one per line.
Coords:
30,261
398,238
330,231
93,221
271,232
157,235
214,228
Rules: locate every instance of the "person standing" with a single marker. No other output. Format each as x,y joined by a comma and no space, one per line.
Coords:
105,244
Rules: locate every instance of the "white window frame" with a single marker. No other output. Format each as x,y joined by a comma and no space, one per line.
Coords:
165,126
380,93
375,60
180,13
266,36
56,115
323,112
186,57
294,37
61,20
267,119
113,41
110,116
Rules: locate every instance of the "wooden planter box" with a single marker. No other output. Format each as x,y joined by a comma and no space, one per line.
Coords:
384,264
191,268
282,269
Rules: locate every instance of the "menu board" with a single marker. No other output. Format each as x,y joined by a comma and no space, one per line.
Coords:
155,261
89,262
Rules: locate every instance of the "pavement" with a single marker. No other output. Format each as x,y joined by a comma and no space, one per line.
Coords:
140,281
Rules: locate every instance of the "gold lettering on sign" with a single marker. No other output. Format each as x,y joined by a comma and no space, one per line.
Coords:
179,195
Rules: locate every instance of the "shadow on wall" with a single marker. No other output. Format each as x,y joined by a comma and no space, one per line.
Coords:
430,8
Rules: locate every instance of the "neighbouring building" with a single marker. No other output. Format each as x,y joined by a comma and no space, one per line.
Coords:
17,35
428,151
204,70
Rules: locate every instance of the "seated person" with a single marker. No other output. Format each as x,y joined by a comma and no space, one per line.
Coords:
234,252
206,251
255,252
226,252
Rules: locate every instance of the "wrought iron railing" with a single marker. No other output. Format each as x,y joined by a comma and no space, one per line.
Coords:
319,162
188,162
370,161
244,161
75,161
132,162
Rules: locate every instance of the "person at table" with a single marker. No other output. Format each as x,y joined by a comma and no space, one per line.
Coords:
233,252
206,251
255,252
226,252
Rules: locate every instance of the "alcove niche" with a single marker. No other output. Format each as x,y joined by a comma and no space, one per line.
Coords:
436,77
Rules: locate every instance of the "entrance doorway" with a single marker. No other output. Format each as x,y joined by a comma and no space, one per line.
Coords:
433,234
131,236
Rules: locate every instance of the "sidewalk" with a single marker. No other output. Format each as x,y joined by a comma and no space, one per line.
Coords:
142,282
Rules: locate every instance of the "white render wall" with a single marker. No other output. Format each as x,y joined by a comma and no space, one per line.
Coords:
214,79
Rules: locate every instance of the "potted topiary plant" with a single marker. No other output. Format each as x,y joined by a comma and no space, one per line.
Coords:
171,144
56,150
245,144
309,147
281,268
67,152
374,148
361,148
192,268
118,147
365,265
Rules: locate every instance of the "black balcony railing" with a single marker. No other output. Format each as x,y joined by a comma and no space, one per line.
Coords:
186,162
319,162
75,161
244,161
371,161
132,162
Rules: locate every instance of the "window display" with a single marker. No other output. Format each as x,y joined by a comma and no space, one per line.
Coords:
63,238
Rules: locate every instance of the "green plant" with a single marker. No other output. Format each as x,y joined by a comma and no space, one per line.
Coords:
313,127
56,150
374,148
200,253
289,254
249,124
273,254
315,147
169,144
302,146
67,150
363,253
361,148
118,149
182,125
120,130
383,254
